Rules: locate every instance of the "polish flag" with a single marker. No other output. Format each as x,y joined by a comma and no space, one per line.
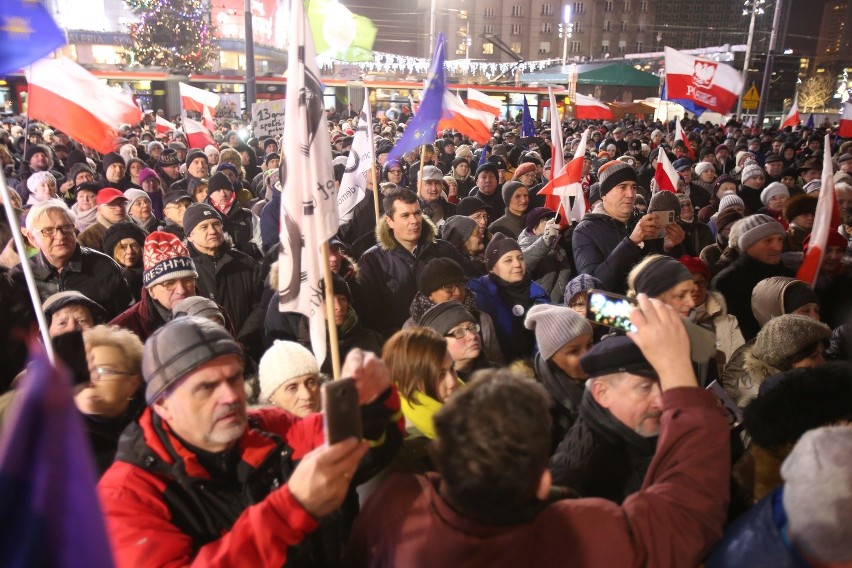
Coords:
199,100
473,123
480,101
568,183
163,126
792,118
665,174
557,155
844,130
197,134
681,135
586,107
826,219
69,98
710,85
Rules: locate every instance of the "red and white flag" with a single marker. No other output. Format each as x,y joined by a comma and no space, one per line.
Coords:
709,84
69,98
665,174
473,123
844,130
557,159
680,135
309,214
199,100
792,118
197,135
569,183
826,219
163,126
480,101
590,108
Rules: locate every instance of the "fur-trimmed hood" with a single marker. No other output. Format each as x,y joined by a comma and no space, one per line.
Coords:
387,242
757,368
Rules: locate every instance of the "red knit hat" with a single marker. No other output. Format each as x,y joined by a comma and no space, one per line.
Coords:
835,239
165,258
695,265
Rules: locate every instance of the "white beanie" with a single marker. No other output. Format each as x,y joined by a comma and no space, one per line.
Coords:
773,189
702,167
133,194
750,171
731,200
283,361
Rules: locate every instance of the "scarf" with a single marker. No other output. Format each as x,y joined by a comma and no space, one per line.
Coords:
85,219
514,293
228,205
419,412
613,429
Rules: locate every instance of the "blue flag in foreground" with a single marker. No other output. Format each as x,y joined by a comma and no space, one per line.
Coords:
49,510
421,129
527,126
27,33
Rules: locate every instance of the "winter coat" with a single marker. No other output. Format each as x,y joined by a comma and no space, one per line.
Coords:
714,315
548,265
566,394
509,224
243,228
603,249
600,456
697,237
93,236
388,274
447,210
711,255
174,229
673,520
516,341
744,374
700,193
795,238
92,273
233,279
163,507
270,222
735,283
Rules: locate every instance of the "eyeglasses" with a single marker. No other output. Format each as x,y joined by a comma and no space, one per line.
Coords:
450,288
462,331
49,232
188,282
102,374
395,172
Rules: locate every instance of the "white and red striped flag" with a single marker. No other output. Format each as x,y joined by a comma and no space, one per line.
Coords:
480,101
557,158
680,135
474,123
197,135
568,183
199,100
163,126
792,118
69,98
826,219
590,108
844,130
665,175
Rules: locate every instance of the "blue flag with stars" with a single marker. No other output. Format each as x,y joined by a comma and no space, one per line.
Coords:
422,128
27,33
810,122
527,126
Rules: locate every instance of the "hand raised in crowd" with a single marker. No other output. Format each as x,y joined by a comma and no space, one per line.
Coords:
372,377
320,481
674,236
663,340
647,228
551,231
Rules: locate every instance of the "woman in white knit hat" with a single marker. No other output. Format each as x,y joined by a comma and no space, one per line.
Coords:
289,378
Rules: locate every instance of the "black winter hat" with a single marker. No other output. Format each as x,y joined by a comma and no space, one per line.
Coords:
92,186
616,355
218,182
197,213
340,286
37,149
167,158
445,316
120,231
499,245
194,154
488,167
111,158
439,272
470,205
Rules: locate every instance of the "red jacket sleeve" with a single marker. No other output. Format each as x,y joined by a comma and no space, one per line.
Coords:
142,534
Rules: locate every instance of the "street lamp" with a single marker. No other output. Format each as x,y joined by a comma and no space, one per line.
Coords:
565,29
753,7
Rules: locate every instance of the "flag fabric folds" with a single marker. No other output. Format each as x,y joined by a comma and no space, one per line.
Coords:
353,186
709,85
308,196
665,174
199,100
480,101
569,183
421,129
681,135
844,129
590,108
28,33
197,135
810,122
69,98
557,159
340,34
792,118
826,218
49,508
473,123
163,126
527,125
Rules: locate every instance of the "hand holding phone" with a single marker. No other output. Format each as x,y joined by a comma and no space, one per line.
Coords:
664,219
609,309
341,412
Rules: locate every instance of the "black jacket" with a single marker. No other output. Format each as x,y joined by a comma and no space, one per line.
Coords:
566,394
494,201
92,273
697,237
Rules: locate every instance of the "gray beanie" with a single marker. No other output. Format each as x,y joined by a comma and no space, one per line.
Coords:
750,171
283,361
784,337
773,189
178,348
198,306
731,200
458,229
509,189
445,316
757,227
817,492
555,326
581,283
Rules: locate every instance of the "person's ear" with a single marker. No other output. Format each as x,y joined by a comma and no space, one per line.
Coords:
162,409
544,485
600,392
30,237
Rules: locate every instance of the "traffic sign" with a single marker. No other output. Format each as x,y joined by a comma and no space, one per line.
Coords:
751,99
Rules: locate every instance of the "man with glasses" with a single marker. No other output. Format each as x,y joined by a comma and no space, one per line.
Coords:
111,210
174,207
63,264
697,234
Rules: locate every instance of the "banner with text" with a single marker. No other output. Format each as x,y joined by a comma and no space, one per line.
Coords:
267,118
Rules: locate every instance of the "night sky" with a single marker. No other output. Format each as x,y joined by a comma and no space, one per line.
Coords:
803,26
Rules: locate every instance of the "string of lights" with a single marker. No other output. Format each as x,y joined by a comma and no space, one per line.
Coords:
174,34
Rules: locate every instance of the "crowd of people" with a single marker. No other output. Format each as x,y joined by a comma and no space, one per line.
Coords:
706,422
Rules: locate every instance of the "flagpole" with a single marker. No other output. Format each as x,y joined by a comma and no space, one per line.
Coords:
15,226
420,172
373,169
329,312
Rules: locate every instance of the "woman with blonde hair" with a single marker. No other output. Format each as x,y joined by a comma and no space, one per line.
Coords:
665,279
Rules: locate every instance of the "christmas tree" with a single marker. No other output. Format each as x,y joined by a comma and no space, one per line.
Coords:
174,34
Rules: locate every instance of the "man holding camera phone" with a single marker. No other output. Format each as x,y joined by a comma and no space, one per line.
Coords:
200,480
612,238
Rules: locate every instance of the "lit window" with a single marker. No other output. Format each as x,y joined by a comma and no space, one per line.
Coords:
487,48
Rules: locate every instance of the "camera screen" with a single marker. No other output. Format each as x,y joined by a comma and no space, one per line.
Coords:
610,311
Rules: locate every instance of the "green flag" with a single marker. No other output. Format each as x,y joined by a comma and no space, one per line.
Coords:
339,33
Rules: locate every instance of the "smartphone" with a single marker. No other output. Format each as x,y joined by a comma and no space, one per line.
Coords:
610,309
341,413
664,218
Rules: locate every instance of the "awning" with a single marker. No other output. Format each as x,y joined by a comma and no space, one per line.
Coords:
617,74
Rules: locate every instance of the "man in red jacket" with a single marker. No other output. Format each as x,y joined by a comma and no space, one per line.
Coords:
491,502
199,480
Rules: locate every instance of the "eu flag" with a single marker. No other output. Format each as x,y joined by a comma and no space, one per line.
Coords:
27,33
421,129
49,509
810,122
527,126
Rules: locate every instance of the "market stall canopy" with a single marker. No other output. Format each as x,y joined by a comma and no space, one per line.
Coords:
619,109
617,74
